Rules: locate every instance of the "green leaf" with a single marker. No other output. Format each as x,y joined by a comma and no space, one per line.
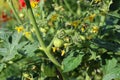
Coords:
30,48
114,14
115,73
110,64
71,62
93,55
107,45
9,50
11,70
49,70
110,70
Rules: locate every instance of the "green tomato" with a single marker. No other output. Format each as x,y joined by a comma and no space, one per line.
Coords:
58,42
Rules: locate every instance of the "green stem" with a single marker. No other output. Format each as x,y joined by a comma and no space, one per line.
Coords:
51,57
32,19
51,43
62,76
14,11
45,49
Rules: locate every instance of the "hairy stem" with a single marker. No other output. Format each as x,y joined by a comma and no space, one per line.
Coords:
14,11
39,36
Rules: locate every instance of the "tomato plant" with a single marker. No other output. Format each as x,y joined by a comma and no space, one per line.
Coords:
60,40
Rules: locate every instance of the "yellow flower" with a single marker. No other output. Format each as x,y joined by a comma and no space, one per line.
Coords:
75,23
54,49
19,29
95,29
29,36
62,52
82,29
54,17
97,1
33,4
91,17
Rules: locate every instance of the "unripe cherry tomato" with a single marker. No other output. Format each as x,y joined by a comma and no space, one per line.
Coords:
58,42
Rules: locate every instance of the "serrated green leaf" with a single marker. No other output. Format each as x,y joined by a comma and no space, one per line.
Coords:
9,50
110,64
16,38
71,62
30,48
115,73
111,71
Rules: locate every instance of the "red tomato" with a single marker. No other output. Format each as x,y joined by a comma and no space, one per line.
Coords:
22,3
